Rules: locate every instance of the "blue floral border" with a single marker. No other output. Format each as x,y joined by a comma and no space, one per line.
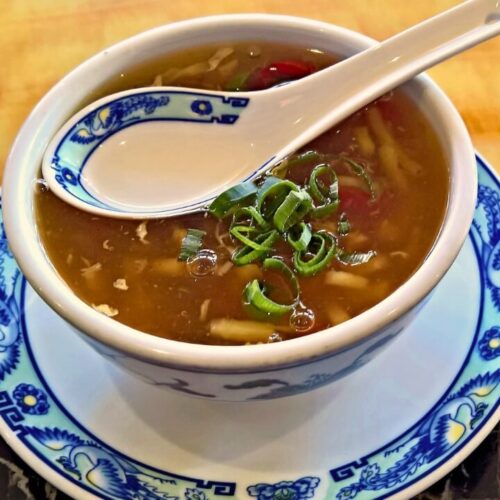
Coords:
40,422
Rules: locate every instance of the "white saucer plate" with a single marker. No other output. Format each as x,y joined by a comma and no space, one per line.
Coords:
392,428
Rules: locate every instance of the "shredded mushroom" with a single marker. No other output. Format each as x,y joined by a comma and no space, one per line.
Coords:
106,310
345,279
204,309
241,331
224,268
142,231
121,284
107,246
218,57
173,74
91,270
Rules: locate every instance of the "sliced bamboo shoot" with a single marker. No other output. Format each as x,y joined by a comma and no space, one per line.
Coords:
241,331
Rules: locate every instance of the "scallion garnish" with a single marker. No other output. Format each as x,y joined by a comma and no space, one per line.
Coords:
326,195
255,291
241,232
237,82
246,255
359,170
278,209
234,197
191,244
355,258
271,195
293,161
317,256
343,225
250,214
299,236
293,209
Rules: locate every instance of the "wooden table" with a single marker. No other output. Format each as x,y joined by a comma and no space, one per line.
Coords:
41,40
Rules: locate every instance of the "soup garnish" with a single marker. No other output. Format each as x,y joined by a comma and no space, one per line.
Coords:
333,229
276,209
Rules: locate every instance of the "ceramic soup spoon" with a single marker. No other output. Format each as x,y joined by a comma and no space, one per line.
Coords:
164,151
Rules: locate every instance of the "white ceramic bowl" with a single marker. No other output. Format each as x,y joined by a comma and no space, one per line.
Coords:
231,372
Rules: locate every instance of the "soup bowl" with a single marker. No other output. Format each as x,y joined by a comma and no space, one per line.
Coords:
248,372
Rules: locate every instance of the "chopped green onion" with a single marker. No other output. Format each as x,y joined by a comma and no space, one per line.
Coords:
237,82
320,211
327,196
231,199
299,236
292,161
318,190
343,224
276,190
277,264
250,213
355,258
255,296
191,244
321,257
293,209
268,181
239,233
246,255
274,201
359,170
316,249
304,157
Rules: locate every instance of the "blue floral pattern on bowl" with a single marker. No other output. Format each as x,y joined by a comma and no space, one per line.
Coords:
40,422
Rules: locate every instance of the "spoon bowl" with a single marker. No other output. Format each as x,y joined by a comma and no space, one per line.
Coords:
166,151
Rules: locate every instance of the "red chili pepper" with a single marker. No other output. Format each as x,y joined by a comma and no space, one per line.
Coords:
354,201
278,72
294,69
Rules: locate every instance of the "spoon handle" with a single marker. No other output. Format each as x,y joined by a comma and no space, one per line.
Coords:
369,74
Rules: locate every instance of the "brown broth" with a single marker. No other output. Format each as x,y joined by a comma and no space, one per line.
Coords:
133,270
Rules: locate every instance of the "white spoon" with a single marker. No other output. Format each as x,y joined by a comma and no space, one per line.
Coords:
163,151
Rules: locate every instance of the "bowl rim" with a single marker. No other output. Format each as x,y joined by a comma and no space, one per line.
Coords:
21,233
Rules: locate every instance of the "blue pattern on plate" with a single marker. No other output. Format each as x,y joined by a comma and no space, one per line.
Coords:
75,453
30,399
489,345
10,279
79,143
285,490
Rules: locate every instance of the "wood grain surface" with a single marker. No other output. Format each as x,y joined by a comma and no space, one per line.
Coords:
41,40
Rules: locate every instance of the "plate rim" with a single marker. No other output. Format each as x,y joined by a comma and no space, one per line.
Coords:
409,488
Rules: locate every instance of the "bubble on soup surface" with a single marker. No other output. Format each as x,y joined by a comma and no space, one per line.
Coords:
254,51
275,337
302,320
202,264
